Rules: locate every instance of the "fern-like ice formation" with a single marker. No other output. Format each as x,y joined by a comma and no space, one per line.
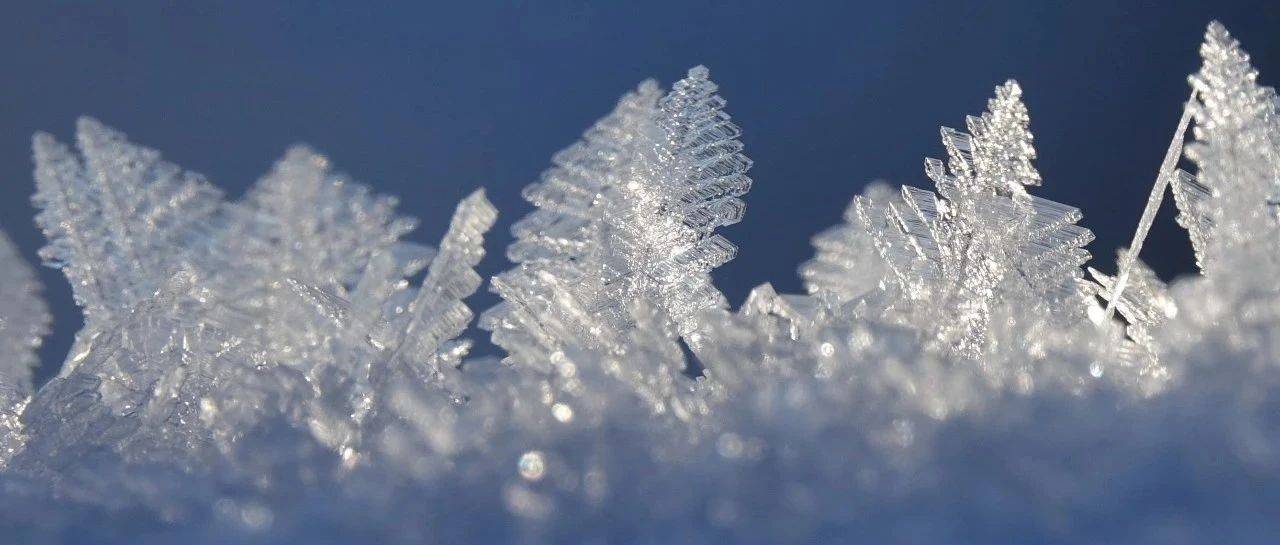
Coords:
301,222
116,217
1230,206
562,237
273,370
984,240
840,271
24,321
660,222
629,214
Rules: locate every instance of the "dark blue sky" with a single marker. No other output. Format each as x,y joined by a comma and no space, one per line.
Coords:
430,100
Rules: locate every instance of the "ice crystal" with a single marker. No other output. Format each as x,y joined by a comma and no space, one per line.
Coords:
629,214
984,240
1229,207
562,237
272,369
1164,178
305,223
660,221
24,320
1145,304
436,314
116,216
840,271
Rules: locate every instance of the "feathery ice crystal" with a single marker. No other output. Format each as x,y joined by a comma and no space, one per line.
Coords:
286,367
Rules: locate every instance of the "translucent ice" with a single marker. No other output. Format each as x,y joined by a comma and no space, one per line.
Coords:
272,370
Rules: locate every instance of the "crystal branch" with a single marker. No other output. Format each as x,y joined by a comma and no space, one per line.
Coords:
659,224
437,314
118,222
562,236
1237,150
24,321
985,241
1163,178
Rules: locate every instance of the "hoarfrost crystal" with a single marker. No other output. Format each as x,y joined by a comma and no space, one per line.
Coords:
1237,138
24,321
115,217
985,241
629,213
272,369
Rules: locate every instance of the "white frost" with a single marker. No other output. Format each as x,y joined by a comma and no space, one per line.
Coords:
272,370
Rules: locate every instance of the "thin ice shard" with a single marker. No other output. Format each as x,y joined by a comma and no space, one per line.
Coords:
1163,178
1145,305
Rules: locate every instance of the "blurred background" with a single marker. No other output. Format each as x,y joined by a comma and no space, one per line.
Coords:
430,100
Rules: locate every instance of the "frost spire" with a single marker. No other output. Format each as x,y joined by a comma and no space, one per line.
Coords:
629,213
117,221
659,222
985,241
1228,208
320,224
563,233
563,228
306,223
436,315
24,321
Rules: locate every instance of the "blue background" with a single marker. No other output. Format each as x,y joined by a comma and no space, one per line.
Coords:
430,100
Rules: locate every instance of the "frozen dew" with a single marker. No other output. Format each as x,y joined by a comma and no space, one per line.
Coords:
730,445
562,412
827,350
531,465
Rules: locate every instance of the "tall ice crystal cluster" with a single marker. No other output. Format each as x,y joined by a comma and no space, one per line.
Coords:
286,368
